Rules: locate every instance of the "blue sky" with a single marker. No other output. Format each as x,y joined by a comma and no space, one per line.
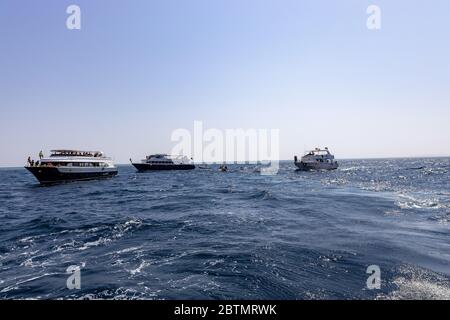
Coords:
137,70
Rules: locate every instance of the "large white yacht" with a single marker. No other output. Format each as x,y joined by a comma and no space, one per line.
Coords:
163,162
72,165
317,159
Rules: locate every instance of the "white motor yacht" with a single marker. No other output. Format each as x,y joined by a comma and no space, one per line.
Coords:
317,159
72,165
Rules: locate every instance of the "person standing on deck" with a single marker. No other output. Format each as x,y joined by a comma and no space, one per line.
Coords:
41,154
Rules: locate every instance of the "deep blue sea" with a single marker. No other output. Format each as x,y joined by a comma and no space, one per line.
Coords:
205,234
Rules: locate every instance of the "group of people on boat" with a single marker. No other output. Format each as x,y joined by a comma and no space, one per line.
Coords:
33,163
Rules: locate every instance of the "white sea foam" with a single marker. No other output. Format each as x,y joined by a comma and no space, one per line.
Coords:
418,284
406,201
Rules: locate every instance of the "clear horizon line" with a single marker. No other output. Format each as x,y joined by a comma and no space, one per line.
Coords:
285,160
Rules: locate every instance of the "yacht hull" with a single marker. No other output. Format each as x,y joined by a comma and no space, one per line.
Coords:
52,175
304,166
162,167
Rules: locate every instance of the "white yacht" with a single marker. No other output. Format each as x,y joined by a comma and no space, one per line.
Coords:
156,162
72,165
317,159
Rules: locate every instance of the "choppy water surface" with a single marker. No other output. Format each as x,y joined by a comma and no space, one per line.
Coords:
205,234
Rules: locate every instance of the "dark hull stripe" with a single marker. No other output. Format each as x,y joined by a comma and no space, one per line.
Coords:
304,167
157,167
52,175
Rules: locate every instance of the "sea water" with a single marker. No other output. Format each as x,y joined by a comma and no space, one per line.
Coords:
205,234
